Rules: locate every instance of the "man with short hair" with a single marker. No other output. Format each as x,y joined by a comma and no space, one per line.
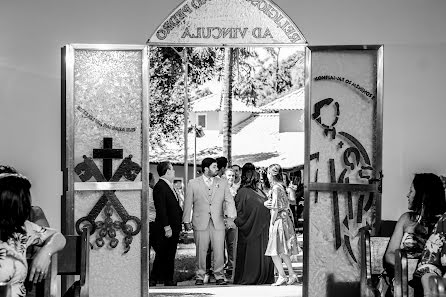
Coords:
205,195
222,164
178,187
237,175
168,223
231,233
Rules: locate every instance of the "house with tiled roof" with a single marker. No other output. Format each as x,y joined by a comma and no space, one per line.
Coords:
291,110
207,112
260,135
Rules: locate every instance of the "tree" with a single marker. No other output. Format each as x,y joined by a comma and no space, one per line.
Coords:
268,77
227,103
252,79
167,89
166,96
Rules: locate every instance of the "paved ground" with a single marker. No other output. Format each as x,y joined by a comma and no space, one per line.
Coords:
226,291
188,289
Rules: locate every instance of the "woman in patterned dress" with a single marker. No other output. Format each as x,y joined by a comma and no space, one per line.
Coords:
426,204
17,234
282,241
433,257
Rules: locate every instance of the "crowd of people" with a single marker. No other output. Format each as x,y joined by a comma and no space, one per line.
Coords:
242,222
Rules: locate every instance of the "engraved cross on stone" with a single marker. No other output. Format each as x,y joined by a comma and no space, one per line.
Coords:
107,153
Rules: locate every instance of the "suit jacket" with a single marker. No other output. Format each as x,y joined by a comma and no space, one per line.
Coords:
168,210
208,203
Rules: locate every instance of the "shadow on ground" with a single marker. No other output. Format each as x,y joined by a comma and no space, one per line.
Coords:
180,294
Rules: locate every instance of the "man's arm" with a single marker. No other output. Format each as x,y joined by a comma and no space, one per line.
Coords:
160,206
230,210
188,202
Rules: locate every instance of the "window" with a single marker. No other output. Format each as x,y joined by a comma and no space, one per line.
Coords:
201,120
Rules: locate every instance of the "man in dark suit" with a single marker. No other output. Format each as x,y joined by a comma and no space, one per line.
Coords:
168,221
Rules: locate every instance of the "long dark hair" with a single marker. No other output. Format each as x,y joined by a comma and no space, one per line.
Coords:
429,201
263,179
250,177
15,203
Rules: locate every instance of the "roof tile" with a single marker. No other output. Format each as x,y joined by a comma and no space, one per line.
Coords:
214,102
292,101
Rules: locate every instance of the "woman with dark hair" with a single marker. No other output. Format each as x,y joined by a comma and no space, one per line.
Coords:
433,257
252,267
282,243
36,215
264,182
426,204
17,233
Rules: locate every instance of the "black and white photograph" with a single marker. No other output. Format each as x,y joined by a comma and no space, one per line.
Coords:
277,148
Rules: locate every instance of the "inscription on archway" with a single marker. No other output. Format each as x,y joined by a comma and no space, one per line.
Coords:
228,21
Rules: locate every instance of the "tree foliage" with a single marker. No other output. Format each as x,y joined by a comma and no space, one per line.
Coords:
166,96
269,78
257,80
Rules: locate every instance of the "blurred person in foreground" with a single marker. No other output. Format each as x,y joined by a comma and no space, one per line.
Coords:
17,233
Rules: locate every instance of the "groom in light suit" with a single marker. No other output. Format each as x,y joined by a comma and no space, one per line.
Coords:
206,195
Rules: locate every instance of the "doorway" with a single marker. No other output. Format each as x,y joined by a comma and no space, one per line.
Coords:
266,126
343,121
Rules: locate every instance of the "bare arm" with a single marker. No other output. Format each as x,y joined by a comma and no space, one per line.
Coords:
395,240
425,283
274,208
39,217
41,261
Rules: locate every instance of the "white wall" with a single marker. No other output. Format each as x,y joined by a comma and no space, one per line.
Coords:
32,33
212,119
179,171
291,121
237,118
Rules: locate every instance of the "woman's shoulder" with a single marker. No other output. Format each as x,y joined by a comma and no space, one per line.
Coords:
278,187
404,219
244,191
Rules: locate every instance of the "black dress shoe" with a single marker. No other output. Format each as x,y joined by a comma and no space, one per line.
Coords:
228,274
199,282
152,283
221,282
170,283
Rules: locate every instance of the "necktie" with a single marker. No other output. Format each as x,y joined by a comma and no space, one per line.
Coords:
175,193
208,182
